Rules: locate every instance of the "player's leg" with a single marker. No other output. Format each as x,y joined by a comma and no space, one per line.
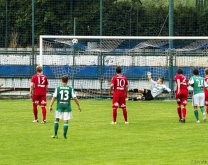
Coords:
201,105
35,109
35,112
43,114
56,127
196,114
195,103
140,91
67,117
203,113
58,115
122,103
125,115
184,103
183,113
43,107
178,101
147,95
65,128
115,107
136,90
179,112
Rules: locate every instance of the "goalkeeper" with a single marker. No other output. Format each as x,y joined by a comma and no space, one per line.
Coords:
157,87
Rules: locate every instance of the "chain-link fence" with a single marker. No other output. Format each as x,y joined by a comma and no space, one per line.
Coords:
98,17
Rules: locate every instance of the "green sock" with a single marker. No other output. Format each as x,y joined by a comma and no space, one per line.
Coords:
196,114
203,110
65,128
56,126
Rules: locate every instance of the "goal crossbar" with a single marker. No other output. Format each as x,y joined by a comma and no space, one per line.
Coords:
129,37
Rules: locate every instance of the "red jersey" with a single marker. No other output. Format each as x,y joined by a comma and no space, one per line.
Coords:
120,84
40,84
206,85
183,82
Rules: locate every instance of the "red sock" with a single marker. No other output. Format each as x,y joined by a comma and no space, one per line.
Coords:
184,112
35,111
114,114
125,114
179,112
44,113
207,109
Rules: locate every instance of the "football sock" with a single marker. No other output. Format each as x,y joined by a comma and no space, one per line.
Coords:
196,114
65,128
184,112
125,114
203,110
56,126
35,111
114,114
43,113
179,112
207,109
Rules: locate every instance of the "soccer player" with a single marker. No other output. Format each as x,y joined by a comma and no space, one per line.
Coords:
157,87
119,88
63,94
206,88
198,99
181,94
38,90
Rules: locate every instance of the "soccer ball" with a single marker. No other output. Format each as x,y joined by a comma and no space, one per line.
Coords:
75,41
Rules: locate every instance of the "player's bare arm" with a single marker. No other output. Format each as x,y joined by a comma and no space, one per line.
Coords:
111,89
31,89
78,104
51,103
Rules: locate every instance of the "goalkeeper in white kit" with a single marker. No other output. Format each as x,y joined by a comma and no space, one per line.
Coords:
157,87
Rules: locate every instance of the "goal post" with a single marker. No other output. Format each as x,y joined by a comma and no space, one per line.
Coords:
90,61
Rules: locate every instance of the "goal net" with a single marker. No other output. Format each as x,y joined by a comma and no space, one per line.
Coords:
90,61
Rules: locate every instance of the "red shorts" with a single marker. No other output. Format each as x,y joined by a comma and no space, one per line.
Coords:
182,98
206,98
39,100
119,101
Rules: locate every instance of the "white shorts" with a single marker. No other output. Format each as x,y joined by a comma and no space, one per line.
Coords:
63,115
198,99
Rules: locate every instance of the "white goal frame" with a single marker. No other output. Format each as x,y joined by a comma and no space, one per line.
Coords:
116,38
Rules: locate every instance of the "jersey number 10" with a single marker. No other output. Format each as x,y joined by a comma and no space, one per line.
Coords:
120,82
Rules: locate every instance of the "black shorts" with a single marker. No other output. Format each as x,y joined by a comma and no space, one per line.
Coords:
147,95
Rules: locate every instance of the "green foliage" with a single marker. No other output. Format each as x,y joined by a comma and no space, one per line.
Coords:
120,17
153,136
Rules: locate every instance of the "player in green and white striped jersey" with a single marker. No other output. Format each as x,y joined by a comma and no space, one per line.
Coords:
63,94
198,99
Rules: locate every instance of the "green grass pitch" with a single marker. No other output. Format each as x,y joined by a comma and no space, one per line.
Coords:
153,137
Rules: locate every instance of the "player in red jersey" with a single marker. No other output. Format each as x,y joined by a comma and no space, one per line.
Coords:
181,94
38,90
119,88
206,88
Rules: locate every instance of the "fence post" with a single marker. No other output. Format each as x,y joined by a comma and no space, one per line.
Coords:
171,33
6,24
33,37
